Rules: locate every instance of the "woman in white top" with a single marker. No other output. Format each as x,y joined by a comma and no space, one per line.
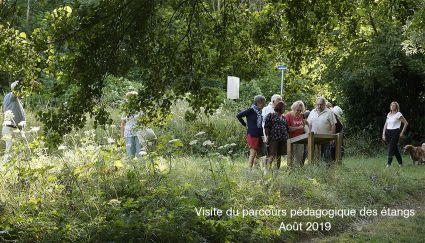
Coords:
391,132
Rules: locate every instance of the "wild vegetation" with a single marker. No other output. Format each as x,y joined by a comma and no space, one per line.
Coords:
68,178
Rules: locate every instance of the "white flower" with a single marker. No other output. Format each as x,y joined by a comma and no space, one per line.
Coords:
89,133
6,137
232,144
208,143
221,147
111,140
16,131
143,153
199,134
193,142
230,152
62,147
113,126
114,202
35,129
23,134
174,140
7,123
22,123
8,115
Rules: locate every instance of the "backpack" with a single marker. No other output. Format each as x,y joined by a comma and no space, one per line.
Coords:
338,125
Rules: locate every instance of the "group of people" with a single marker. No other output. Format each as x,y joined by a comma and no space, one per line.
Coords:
135,137
269,128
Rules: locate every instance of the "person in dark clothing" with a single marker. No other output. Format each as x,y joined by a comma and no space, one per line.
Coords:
306,129
338,129
276,129
254,127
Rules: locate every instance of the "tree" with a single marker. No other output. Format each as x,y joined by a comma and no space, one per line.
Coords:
377,74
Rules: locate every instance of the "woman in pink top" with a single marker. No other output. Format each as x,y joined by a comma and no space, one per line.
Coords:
296,123
391,132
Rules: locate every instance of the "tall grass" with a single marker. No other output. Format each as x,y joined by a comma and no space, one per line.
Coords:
92,192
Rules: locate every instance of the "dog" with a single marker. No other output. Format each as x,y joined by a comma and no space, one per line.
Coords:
416,153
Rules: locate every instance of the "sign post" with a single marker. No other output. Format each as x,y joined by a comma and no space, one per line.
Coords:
283,68
233,87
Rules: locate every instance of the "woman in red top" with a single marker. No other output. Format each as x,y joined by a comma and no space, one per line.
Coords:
296,122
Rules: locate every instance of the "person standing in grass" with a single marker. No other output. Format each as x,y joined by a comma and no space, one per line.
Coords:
322,120
129,129
391,132
296,122
264,112
14,117
254,127
276,130
338,129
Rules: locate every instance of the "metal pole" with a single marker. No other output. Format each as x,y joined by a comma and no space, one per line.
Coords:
281,84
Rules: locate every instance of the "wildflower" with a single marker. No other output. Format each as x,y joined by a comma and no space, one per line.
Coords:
143,153
193,142
111,140
7,123
23,134
232,144
173,141
6,137
230,152
199,134
22,123
8,115
114,202
89,133
221,147
113,126
35,129
16,131
62,147
208,143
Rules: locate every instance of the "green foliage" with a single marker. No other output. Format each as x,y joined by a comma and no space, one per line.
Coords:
373,76
413,31
18,59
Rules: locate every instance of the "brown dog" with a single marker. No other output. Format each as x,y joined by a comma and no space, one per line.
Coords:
416,153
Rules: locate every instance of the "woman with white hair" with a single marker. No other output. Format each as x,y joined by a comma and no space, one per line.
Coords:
254,127
296,122
391,132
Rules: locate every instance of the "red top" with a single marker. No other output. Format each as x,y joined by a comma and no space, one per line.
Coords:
295,122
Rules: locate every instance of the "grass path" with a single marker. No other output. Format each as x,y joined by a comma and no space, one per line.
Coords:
390,229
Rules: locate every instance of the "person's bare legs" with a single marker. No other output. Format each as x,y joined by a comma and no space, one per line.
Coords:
268,164
252,156
278,160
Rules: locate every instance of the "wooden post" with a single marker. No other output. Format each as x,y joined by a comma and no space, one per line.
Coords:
289,152
310,147
338,156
